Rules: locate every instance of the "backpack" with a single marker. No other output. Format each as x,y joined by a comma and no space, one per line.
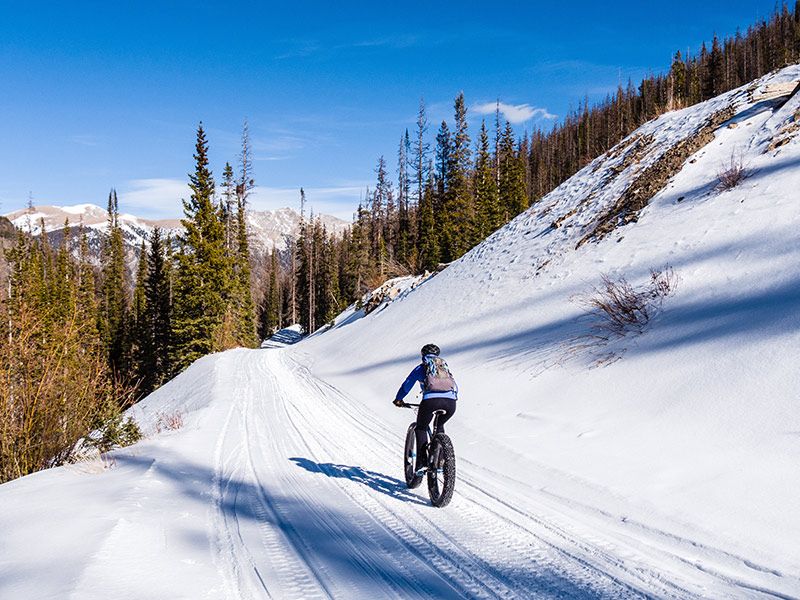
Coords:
438,377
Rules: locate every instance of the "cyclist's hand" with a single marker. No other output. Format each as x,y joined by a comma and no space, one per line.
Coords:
399,403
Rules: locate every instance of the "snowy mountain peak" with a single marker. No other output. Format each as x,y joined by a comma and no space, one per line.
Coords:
267,229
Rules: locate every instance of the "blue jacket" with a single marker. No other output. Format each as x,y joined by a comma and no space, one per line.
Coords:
418,376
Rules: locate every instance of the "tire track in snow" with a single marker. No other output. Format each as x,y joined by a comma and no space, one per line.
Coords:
429,555
543,566
368,529
635,562
283,571
574,568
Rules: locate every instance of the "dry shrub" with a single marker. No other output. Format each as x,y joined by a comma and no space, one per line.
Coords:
731,174
169,421
53,390
91,464
390,268
620,308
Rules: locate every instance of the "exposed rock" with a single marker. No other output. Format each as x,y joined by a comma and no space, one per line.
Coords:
786,133
626,209
7,230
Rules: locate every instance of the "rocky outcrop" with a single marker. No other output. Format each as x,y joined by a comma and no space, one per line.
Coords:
7,229
653,179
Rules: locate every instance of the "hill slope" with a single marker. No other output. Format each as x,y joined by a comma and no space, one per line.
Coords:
661,463
693,424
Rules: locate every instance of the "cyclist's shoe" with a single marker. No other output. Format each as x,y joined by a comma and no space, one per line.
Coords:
421,472
422,460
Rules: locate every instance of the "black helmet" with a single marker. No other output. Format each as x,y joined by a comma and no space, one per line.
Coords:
430,349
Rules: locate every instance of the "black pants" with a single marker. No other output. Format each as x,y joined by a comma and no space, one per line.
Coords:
424,416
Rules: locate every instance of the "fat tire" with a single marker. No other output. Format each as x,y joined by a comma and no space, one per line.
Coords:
409,468
442,456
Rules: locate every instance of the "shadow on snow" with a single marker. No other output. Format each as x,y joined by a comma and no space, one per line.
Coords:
376,481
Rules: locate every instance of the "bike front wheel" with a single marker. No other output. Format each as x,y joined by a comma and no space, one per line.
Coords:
441,470
409,458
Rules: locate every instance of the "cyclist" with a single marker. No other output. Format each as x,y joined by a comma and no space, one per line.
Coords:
439,392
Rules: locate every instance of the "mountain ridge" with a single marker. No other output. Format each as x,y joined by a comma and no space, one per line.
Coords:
268,229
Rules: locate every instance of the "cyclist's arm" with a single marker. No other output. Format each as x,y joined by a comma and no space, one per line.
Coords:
415,376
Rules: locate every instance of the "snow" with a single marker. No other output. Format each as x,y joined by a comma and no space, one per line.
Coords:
80,209
284,337
661,464
267,229
30,221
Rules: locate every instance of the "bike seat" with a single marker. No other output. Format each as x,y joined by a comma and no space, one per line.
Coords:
439,412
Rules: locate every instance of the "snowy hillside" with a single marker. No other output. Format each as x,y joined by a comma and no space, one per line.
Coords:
661,463
685,446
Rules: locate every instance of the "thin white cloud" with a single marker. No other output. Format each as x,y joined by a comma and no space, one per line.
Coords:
401,41
161,198
154,198
514,113
87,139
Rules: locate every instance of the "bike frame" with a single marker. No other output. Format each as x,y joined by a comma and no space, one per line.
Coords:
434,424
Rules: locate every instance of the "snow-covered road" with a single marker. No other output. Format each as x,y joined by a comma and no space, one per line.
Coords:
279,485
308,504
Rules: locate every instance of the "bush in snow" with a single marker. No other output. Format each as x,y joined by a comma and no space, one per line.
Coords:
115,433
731,174
169,421
620,308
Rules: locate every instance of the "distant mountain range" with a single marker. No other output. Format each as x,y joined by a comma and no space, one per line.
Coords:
268,229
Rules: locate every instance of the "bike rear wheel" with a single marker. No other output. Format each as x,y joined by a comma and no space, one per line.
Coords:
409,458
441,470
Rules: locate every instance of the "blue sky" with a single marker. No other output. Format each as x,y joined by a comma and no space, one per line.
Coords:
95,95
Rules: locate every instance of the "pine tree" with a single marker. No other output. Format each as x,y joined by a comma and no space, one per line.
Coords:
359,266
204,272
458,199
228,206
443,151
432,211
114,314
62,286
429,250
678,80
141,344
716,70
513,198
421,150
326,281
271,306
88,308
243,296
487,201
306,290
158,315
404,233
384,215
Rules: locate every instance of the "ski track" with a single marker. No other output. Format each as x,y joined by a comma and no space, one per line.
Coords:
281,523
308,503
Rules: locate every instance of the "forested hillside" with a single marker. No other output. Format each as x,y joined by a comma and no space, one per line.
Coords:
79,344
454,187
